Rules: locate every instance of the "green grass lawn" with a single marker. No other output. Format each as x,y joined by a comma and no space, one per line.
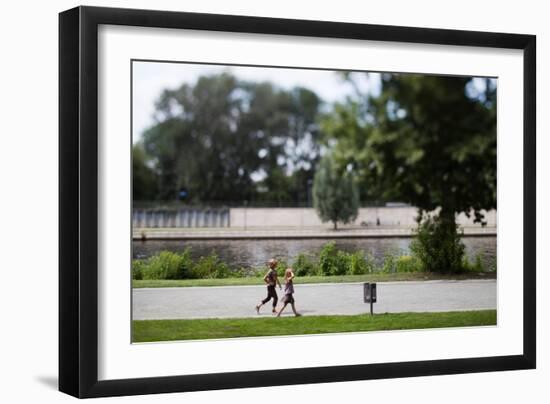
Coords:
381,277
174,330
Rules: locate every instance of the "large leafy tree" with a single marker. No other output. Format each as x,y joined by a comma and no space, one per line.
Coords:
426,140
144,185
335,194
224,140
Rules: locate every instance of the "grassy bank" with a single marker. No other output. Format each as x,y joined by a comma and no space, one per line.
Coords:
175,330
379,277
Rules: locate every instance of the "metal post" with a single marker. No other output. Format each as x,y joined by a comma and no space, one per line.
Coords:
309,184
245,206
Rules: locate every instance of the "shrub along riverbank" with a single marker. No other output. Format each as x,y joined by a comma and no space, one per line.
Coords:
331,262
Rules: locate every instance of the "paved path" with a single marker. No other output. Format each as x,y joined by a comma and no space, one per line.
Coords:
313,299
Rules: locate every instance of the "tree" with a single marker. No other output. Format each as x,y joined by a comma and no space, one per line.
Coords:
335,194
195,143
426,140
223,140
144,184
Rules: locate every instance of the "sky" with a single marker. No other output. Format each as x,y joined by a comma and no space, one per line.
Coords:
151,78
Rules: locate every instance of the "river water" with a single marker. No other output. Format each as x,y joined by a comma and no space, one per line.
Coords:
254,253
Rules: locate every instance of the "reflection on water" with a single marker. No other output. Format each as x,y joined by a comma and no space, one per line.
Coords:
254,253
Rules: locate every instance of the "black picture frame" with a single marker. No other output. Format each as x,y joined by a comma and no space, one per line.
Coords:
78,201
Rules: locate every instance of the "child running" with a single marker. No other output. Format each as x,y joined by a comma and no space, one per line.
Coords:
270,280
289,292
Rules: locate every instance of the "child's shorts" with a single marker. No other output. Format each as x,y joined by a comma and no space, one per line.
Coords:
288,299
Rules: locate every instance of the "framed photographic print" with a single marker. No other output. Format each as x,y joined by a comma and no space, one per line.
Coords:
251,201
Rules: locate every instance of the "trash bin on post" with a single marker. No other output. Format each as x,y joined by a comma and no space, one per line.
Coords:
369,294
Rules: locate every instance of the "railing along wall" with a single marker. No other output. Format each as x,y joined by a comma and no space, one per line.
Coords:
182,217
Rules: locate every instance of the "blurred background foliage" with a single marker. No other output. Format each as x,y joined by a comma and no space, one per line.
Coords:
425,140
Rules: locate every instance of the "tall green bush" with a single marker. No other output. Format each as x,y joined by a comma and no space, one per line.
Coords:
165,265
137,269
388,265
476,266
304,266
210,267
438,245
360,265
333,261
407,263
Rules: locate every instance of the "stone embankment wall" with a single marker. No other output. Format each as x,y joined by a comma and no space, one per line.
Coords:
403,217
307,217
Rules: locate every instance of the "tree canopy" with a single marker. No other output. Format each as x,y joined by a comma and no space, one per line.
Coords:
225,140
426,140
144,185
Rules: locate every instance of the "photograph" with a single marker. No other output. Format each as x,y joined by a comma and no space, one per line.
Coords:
256,202
274,201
